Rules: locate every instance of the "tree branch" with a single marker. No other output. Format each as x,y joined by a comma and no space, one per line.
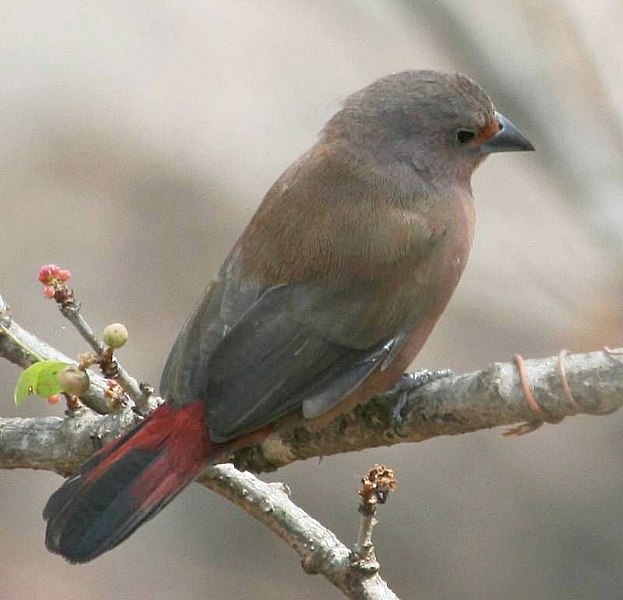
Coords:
452,405
320,550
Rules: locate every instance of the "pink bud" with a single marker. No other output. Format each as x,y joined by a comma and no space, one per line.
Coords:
49,272
63,275
48,291
45,274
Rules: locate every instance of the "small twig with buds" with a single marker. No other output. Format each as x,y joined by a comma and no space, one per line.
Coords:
376,486
114,336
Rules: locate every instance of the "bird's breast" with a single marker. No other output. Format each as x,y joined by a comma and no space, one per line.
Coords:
433,259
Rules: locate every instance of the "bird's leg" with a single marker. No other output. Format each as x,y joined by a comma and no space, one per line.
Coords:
407,383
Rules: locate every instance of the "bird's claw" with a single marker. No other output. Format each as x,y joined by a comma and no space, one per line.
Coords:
407,383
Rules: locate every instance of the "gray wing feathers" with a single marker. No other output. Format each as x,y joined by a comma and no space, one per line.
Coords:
270,363
184,376
253,356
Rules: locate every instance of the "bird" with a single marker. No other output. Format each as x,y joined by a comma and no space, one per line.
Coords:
323,302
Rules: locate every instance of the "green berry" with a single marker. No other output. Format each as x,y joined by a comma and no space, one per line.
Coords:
115,335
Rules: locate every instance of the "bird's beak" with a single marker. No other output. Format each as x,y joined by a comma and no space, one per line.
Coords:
507,139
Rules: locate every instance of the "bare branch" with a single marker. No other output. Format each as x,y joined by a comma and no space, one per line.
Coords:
320,550
57,444
452,405
375,489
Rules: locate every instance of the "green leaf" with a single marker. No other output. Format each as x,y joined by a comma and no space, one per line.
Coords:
40,378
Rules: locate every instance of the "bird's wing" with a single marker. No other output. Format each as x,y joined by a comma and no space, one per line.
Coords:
254,356
272,362
184,376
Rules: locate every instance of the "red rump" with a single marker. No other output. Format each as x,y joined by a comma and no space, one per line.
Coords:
186,425
181,461
128,481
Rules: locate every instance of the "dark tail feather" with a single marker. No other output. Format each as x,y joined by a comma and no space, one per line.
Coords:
128,482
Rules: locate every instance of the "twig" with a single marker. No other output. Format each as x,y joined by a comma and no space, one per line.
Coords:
54,280
139,393
375,490
320,550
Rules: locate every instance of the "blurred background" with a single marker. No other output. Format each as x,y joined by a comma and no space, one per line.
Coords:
137,140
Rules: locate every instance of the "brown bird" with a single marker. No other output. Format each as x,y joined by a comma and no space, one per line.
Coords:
324,301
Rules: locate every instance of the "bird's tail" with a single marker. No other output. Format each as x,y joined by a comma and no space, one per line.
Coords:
128,482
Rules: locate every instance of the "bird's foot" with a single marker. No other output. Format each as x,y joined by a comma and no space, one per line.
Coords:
407,383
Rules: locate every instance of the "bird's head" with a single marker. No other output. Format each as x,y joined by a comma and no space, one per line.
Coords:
439,125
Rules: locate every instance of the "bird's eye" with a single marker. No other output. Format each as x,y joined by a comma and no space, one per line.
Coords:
464,135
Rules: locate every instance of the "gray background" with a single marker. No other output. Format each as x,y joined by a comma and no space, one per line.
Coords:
137,138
